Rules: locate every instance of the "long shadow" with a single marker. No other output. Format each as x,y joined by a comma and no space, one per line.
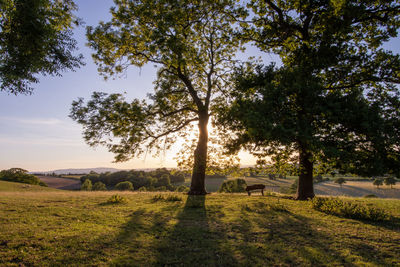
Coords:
283,238
193,241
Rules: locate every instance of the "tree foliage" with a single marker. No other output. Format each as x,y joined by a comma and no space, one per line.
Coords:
334,99
233,186
124,186
86,185
99,186
377,182
390,181
35,39
151,180
19,175
192,45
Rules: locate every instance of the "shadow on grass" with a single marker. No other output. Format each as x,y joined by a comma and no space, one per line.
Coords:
278,237
256,233
193,241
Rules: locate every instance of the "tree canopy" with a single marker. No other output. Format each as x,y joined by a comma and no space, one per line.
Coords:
334,99
35,39
193,46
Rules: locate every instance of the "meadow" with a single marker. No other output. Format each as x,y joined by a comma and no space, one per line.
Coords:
54,227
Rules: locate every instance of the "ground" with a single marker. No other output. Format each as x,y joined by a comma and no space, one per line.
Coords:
61,183
63,228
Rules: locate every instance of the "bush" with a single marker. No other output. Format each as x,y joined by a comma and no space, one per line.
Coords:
233,186
142,189
99,186
116,199
19,175
348,209
182,188
124,186
87,185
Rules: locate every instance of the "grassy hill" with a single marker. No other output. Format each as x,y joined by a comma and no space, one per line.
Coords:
20,187
82,228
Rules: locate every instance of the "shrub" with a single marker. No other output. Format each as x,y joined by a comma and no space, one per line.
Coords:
182,188
99,186
142,189
124,186
173,198
116,199
348,209
233,186
87,185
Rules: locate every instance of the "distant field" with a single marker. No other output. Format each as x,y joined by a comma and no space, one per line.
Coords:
357,189
65,228
61,183
350,188
78,177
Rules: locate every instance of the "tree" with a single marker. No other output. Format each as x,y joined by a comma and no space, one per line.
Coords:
19,175
340,181
193,46
87,185
35,38
378,182
124,186
390,181
99,186
334,99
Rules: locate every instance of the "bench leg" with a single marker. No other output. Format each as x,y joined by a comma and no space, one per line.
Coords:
249,193
262,191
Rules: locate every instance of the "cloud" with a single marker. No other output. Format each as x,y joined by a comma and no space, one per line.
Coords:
34,121
56,142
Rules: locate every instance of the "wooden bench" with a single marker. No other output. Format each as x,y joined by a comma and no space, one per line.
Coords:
250,188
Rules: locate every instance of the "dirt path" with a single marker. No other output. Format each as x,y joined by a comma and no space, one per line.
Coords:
61,183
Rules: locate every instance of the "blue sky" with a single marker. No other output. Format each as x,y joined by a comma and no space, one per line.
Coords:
36,133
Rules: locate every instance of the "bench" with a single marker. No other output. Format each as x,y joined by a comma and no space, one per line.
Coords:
250,188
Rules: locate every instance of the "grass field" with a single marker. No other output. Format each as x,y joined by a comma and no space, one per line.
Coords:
62,228
20,187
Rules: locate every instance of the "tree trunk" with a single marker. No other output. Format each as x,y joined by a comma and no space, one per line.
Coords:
197,186
305,189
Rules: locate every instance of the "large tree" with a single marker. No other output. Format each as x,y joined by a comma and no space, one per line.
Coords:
334,99
35,38
192,45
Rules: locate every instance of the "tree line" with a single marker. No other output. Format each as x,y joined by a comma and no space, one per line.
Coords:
159,179
334,98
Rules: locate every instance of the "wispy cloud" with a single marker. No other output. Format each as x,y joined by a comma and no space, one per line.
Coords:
34,121
56,142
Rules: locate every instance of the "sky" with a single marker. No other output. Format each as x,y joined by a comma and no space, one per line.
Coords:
36,133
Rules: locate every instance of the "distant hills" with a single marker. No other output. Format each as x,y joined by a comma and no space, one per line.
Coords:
87,170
